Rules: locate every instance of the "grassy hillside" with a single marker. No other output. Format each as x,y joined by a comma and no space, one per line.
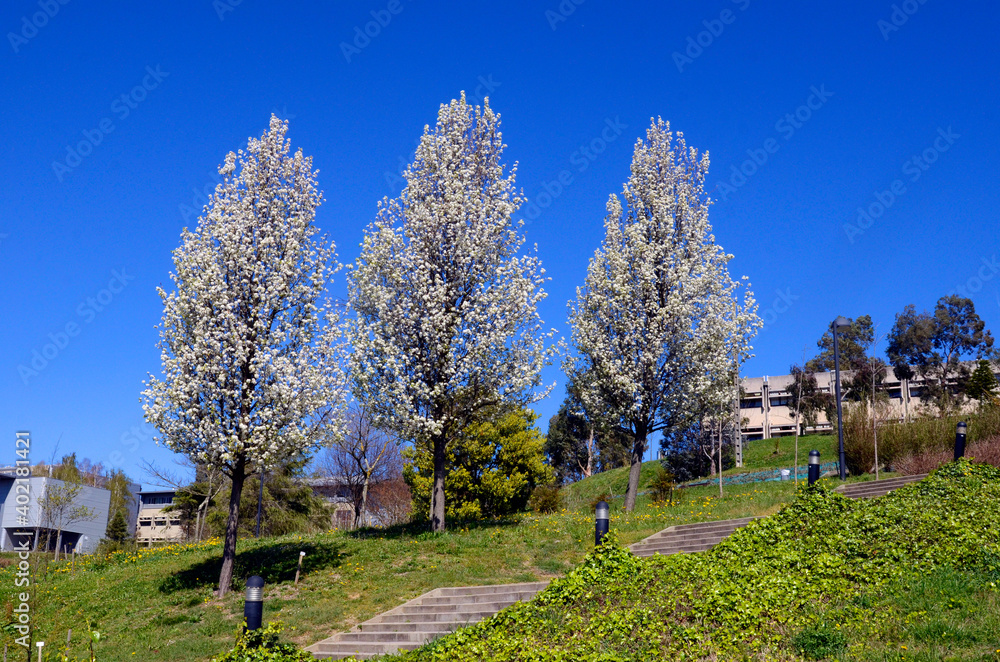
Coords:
757,455
158,605
912,576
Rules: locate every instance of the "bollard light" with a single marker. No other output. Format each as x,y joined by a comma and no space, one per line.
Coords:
601,523
960,431
253,607
813,467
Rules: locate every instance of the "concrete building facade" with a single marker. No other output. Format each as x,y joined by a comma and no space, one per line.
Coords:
30,521
154,526
765,414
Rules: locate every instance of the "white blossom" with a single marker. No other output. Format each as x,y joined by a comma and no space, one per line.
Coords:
251,349
447,320
657,326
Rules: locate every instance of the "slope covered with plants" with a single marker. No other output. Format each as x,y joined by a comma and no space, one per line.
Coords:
908,576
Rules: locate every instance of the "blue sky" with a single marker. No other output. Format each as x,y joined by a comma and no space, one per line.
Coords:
117,117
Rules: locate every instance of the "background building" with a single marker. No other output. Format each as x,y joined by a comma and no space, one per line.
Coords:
764,411
154,525
81,537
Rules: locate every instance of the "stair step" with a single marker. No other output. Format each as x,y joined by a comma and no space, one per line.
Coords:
512,596
441,617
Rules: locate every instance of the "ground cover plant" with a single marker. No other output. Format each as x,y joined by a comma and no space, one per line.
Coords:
825,577
158,605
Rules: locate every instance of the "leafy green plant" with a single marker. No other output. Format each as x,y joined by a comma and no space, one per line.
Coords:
546,499
263,645
819,642
663,486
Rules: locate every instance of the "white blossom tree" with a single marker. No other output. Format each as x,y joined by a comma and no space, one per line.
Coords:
655,326
251,347
447,323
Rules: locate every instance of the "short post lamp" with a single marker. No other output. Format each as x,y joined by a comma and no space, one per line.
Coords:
253,606
840,323
601,523
960,431
813,467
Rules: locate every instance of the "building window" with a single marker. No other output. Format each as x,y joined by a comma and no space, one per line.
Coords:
750,404
782,401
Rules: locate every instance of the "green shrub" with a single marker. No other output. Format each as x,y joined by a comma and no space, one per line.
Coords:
897,440
819,642
663,486
546,499
605,495
263,646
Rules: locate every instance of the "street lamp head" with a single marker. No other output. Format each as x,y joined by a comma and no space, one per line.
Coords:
841,322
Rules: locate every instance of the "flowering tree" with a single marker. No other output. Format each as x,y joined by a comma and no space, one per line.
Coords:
447,323
251,349
657,325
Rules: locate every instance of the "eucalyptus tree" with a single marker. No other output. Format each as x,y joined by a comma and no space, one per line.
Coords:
659,324
251,347
447,323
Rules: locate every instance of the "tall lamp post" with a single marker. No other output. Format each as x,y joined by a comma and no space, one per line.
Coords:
839,323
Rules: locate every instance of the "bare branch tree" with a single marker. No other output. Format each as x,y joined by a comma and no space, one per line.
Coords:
365,455
58,510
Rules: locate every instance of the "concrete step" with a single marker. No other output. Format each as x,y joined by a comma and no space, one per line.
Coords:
441,617
419,636
733,523
688,538
422,619
484,590
493,606
511,596
360,650
409,626
877,488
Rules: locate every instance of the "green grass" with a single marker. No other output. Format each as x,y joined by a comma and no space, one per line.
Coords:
947,614
757,456
158,605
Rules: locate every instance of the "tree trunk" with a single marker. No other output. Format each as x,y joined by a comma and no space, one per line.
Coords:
638,450
232,524
720,456
437,493
359,514
58,542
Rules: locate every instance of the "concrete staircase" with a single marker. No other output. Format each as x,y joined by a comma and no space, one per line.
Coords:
685,538
876,488
422,619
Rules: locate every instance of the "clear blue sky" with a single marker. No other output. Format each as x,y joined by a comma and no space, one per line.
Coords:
87,241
